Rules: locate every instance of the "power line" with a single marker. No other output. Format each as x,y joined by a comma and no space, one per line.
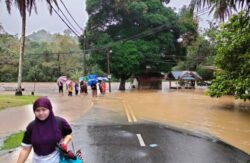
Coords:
146,33
134,37
77,52
72,52
71,15
64,21
68,20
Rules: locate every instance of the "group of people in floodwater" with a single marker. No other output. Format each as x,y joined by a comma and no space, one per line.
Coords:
82,87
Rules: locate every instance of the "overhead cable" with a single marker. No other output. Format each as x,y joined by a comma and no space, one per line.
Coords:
65,22
134,37
71,15
68,20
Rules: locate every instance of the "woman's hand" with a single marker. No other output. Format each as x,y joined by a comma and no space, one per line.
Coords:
66,139
24,153
63,147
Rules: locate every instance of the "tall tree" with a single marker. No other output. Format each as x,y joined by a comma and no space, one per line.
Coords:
222,9
140,33
22,6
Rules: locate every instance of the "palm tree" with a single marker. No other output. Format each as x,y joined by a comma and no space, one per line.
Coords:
222,8
22,6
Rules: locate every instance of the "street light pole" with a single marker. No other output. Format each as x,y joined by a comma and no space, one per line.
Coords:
108,69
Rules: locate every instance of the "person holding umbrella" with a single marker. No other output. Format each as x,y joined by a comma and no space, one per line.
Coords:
103,87
92,81
85,87
100,86
76,88
60,81
94,89
70,88
60,86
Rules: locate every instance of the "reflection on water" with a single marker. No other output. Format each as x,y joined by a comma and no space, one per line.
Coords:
224,117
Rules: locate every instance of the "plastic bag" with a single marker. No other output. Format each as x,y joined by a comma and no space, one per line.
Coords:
65,159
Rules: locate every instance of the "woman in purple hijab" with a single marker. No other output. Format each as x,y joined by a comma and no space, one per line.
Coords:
44,133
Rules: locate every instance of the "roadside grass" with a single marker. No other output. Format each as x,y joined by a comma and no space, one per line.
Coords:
13,141
7,101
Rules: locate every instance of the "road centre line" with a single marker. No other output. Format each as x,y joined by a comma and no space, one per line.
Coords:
140,140
131,112
127,113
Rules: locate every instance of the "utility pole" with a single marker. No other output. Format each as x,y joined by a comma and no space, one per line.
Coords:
84,53
108,68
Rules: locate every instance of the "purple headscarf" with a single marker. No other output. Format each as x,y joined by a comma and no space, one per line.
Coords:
45,133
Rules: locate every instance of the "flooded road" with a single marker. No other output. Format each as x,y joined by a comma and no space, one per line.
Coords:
105,136
226,118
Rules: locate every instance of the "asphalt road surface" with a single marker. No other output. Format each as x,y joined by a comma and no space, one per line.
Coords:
105,136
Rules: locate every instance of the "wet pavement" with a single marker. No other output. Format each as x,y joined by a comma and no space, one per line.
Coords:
105,137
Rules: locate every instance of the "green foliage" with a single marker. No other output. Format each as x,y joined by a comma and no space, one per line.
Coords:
222,9
204,73
13,141
43,61
198,53
180,66
9,50
233,58
75,75
148,31
125,59
35,73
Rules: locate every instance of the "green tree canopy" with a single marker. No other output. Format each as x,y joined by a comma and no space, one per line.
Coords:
9,48
140,34
41,61
233,58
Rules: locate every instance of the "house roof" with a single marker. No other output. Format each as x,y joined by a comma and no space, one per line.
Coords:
185,75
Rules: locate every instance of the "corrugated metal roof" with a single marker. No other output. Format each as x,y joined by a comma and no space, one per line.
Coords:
186,75
176,74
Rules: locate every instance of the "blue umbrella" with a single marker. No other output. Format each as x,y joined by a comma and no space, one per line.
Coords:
92,79
92,76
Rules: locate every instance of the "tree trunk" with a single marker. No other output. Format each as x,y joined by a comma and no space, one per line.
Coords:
21,53
122,84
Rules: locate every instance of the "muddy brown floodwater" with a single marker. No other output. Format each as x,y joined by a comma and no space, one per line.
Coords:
226,118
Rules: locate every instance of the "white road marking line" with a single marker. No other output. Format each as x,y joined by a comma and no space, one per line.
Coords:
127,113
140,140
132,113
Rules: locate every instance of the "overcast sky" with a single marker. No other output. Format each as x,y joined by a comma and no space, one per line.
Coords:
53,24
